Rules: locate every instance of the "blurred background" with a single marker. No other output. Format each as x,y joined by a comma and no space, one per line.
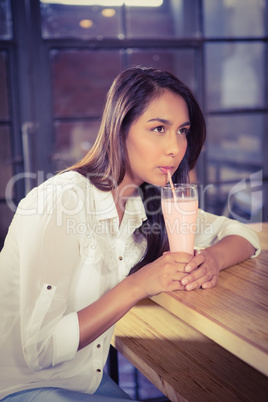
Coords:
58,59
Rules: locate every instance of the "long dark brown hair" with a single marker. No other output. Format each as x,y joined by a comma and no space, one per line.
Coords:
105,164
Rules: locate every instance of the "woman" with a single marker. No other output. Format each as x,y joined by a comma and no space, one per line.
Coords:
75,239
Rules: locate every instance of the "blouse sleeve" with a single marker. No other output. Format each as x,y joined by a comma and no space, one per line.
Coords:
49,255
212,228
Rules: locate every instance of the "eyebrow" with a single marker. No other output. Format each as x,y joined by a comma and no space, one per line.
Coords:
164,121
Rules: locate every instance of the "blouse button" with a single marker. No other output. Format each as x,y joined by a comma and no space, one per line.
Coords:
98,346
49,287
98,370
120,258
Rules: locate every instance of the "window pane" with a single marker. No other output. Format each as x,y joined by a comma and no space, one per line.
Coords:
235,75
72,141
5,20
234,18
178,62
4,112
81,79
173,19
154,19
242,201
234,146
85,22
5,160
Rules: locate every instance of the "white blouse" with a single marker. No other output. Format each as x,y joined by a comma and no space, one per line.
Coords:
64,250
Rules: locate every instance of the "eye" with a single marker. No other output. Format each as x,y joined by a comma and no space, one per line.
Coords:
159,129
184,131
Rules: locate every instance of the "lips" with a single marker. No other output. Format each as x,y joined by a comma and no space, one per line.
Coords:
165,169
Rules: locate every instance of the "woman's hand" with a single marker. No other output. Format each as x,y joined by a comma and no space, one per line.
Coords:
205,266
204,271
164,274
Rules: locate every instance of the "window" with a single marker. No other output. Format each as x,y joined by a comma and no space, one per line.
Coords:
59,57
5,20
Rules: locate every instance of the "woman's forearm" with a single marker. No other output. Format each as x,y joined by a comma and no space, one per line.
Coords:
163,274
231,250
96,318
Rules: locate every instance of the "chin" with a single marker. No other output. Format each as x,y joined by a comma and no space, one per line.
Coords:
158,182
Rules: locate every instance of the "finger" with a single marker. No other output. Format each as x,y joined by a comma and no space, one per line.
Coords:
191,283
200,253
195,262
192,286
181,268
211,283
196,252
191,267
182,257
200,273
178,276
196,284
176,285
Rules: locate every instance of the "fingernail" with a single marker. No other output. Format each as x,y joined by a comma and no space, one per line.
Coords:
188,268
184,281
189,287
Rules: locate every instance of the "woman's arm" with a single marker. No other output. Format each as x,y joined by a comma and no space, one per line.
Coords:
49,255
223,243
96,318
164,274
205,267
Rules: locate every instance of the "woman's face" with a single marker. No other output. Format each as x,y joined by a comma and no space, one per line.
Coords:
156,140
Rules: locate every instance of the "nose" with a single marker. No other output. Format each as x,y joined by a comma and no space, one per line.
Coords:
173,144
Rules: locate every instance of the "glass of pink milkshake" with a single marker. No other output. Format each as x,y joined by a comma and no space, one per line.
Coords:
180,207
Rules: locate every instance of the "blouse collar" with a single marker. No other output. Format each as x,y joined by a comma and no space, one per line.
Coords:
105,206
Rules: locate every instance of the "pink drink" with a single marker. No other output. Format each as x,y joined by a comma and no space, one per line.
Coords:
180,218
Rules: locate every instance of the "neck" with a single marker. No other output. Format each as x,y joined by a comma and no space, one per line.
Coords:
121,194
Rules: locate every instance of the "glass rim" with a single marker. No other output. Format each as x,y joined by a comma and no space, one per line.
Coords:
180,185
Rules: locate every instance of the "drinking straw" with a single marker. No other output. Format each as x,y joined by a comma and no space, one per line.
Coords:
171,185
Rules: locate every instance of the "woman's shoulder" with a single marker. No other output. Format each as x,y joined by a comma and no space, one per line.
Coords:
66,187
68,178
65,182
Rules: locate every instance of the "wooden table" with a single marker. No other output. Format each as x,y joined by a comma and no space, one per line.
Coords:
234,314
205,345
